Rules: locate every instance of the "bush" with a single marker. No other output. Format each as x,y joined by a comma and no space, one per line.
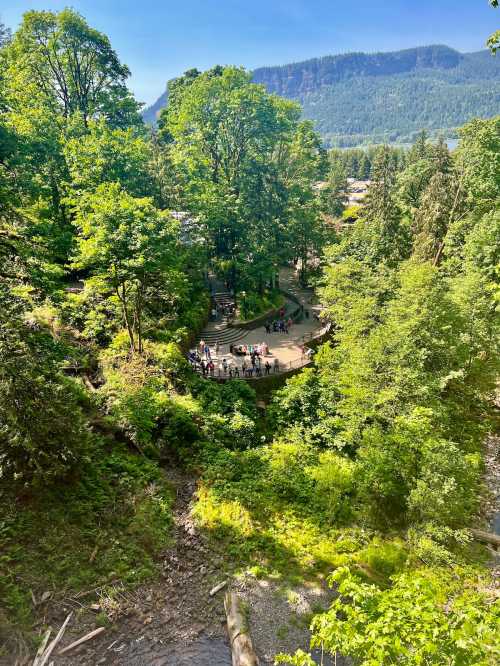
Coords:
253,304
334,480
384,557
427,617
119,507
288,462
447,490
296,402
139,392
43,435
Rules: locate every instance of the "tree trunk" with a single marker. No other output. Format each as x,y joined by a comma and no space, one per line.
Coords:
138,309
486,537
241,643
123,301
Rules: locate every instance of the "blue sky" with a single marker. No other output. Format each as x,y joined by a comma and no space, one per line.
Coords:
159,39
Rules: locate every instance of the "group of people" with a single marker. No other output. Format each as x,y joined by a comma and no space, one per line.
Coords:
279,326
225,309
257,366
203,351
201,360
261,349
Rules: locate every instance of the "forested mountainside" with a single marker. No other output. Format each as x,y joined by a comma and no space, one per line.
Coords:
150,114
296,79
358,98
391,104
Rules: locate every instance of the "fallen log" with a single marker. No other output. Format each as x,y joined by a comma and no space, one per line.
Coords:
242,650
218,587
83,639
486,537
50,649
88,383
42,647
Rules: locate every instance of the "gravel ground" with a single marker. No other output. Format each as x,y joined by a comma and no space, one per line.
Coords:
279,615
492,478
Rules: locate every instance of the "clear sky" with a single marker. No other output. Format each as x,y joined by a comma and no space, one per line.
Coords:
159,39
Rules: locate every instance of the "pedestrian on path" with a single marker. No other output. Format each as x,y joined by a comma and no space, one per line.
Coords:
268,367
276,365
216,347
268,328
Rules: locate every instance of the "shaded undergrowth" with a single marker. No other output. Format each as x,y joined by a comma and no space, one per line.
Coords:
107,523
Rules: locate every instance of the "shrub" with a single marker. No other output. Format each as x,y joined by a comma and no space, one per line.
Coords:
43,435
253,304
426,617
288,462
334,480
384,557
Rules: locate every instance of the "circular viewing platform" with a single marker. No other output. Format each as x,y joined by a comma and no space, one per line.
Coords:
224,352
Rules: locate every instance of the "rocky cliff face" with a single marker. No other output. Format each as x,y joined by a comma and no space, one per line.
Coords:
296,79
360,98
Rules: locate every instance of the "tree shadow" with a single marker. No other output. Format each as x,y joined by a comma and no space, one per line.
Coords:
260,524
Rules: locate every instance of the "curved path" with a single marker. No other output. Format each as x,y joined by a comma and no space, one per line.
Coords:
285,347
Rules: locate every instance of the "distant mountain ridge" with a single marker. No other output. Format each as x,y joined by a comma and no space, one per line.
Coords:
357,98
150,113
295,79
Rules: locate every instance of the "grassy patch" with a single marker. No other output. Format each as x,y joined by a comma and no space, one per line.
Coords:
286,511
107,524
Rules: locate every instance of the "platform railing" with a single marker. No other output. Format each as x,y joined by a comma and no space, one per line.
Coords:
282,368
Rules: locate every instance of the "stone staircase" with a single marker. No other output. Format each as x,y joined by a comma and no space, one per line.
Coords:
221,331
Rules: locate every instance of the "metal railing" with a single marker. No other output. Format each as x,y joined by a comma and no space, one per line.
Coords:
316,335
281,369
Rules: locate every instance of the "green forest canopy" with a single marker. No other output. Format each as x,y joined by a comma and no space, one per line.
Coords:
369,463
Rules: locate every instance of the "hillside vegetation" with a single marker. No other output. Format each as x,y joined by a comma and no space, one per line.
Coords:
363,471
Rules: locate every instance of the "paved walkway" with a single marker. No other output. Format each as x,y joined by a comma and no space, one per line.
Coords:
285,347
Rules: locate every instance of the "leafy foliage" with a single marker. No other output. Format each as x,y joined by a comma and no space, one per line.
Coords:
429,618
370,459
